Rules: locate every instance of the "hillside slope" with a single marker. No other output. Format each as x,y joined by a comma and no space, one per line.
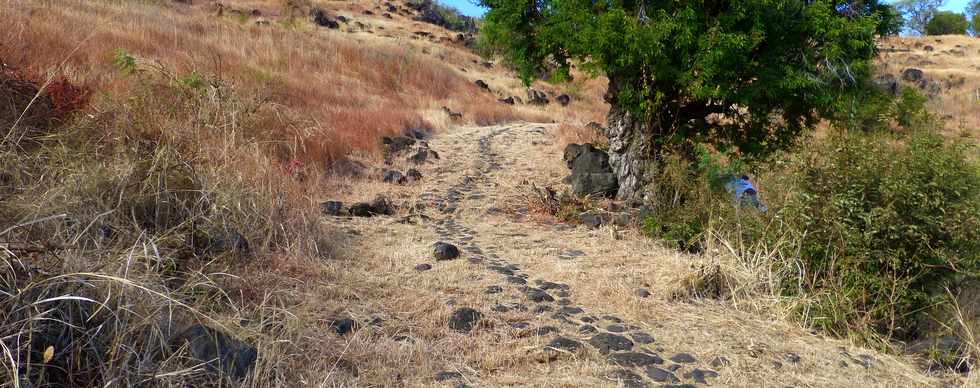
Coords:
196,150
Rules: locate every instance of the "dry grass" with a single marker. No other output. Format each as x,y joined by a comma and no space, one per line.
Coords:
952,64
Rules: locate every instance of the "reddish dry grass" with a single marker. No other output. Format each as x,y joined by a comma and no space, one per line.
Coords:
331,94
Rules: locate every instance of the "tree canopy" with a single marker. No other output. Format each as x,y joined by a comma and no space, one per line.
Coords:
745,73
918,13
947,23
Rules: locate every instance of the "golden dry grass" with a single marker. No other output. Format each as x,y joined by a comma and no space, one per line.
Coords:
286,91
953,62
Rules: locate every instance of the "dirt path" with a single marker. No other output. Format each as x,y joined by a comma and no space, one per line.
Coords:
558,305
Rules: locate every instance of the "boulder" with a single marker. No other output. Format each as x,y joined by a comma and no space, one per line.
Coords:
483,85
422,155
464,319
912,74
508,100
563,99
380,206
444,251
536,97
887,83
591,173
218,350
321,18
394,145
413,175
383,206
392,176
332,208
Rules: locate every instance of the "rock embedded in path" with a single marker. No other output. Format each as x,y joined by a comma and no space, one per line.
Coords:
423,267
564,344
635,359
536,295
700,376
683,358
482,84
626,379
217,349
445,251
642,338
464,319
332,208
606,343
661,375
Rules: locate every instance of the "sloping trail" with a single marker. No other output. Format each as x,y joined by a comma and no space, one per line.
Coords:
561,304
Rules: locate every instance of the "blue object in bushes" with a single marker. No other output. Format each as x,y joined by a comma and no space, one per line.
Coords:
744,193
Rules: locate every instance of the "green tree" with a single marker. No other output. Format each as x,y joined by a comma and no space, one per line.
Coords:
973,14
947,23
745,75
918,13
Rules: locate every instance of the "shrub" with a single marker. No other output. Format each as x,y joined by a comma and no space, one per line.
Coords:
881,225
947,23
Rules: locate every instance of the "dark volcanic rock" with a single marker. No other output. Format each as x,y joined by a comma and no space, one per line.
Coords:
642,338
445,376
616,328
464,319
321,18
483,85
700,376
661,376
394,145
413,175
562,343
912,74
683,358
642,293
536,97
591,172
606,342
344,326
361,210
536,295
494,290
563,99
626,379
508,100
423,155
332,208
635,359
587,329
423,267
392,176
445,251
218,350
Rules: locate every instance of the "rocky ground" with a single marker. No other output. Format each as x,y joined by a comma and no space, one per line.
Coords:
475,291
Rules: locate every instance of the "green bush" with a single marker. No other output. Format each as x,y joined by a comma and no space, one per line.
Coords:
947,23
881,225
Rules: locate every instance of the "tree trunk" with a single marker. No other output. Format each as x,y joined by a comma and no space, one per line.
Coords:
631,152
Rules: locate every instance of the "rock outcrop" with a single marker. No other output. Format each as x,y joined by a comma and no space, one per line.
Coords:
591,172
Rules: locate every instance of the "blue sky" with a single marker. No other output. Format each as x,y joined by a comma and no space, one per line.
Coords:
467,7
